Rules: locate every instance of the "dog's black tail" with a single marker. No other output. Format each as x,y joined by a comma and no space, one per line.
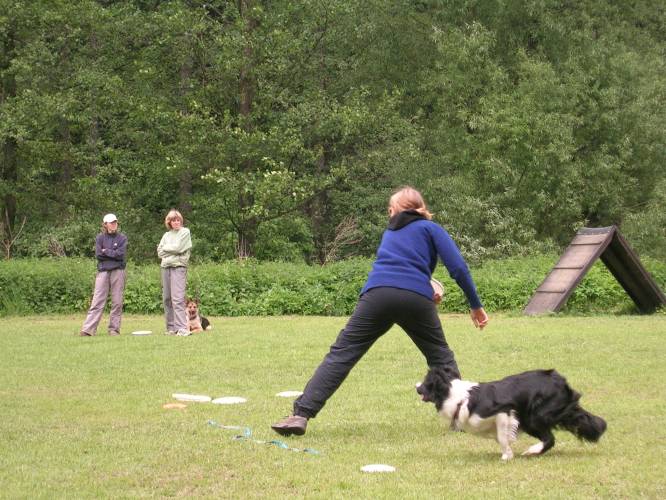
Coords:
583,424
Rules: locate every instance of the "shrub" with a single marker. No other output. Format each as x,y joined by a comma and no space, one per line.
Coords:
64,285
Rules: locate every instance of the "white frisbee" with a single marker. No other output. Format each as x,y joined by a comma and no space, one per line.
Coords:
197,398
378,468
142,332
229,400
437,287
288,394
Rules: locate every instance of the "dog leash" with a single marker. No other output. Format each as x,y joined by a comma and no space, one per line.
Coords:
247,436
454,420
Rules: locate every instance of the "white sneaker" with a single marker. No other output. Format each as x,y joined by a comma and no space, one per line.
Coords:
170,332
183,333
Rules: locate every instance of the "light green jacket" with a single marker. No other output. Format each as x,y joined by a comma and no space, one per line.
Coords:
174,248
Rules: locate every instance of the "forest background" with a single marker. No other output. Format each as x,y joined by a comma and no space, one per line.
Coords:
279,128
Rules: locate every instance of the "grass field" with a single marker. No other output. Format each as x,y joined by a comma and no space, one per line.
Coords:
84,417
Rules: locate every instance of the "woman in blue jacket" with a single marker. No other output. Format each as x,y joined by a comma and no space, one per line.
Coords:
397,290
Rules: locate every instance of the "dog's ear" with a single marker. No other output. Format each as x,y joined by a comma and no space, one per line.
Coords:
441,376
451,372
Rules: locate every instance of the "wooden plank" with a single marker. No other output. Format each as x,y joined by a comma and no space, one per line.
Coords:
589,239
597,230
542,302
578,256
559,279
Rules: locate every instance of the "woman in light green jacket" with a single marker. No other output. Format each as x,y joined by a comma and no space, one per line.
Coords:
174,250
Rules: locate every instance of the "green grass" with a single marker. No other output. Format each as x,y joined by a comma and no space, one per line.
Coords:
83,417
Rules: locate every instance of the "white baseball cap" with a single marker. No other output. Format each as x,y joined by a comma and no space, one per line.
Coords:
109,218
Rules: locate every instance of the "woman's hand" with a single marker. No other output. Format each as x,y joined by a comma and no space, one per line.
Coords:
437,298
479,317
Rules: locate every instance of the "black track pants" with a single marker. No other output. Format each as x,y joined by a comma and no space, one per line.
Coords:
376,312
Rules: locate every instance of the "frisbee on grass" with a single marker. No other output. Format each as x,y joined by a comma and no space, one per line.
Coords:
228,400
288,394
196,398
174,406
142,332
437,287
378,468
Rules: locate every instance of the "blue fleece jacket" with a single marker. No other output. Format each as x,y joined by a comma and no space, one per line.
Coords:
407,257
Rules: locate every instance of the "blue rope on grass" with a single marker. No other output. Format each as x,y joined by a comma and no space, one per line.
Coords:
247,436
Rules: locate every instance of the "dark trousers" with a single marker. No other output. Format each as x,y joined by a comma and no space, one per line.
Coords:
376,312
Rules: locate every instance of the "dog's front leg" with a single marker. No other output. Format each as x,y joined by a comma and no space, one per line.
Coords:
503,426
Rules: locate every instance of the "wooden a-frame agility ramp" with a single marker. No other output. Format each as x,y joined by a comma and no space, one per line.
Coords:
588,245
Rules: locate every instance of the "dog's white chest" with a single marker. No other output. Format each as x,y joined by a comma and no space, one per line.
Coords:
455,409
483,426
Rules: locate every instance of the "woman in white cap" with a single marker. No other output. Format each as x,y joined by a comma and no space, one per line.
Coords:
110,251
174,251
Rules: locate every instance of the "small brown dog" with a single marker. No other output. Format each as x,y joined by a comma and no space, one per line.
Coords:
196,322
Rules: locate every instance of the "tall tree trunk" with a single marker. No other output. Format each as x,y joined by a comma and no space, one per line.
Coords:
185,185
65,138
319,207
9,172
247,83
93,145
248,224
93,128
9,165
318,212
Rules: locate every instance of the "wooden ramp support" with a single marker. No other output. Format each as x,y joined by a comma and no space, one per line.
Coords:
587,246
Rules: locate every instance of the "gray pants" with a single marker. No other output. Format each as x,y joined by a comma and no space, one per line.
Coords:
174,282
105,282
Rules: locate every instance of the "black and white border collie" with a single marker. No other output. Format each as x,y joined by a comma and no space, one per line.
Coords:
535,402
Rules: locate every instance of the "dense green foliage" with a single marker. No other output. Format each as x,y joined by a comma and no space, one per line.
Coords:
254,288
279,128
